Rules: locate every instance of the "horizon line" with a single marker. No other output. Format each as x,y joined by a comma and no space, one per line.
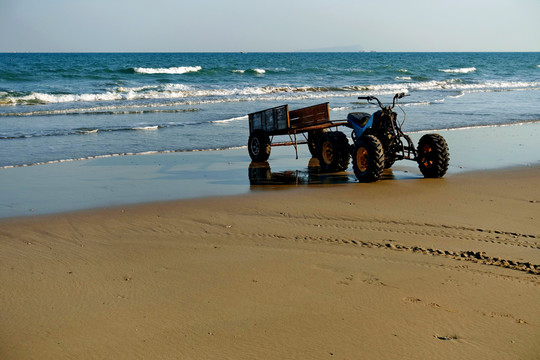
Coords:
256,52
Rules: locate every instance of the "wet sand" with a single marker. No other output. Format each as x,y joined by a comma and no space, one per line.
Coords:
123,180
402,268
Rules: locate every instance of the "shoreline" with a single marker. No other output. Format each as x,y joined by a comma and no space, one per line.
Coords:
203,150
127,180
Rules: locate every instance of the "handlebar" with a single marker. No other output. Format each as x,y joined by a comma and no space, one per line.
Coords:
371,98
394,101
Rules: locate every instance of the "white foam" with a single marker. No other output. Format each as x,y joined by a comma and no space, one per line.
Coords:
64,98
253,93
403,78
256,71
154,127
225,121
459,71
90,131
385,87
458,85
170,70
419,103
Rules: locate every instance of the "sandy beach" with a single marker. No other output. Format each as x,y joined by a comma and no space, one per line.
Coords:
410,268
206,256
169,184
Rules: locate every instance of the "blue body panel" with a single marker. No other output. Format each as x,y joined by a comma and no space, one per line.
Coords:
358,129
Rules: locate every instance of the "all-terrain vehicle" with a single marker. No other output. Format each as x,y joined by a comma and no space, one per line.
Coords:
379,142
378,139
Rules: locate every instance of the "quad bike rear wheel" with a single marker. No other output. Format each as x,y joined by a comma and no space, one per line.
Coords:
259,146
333,152
368,159
433,156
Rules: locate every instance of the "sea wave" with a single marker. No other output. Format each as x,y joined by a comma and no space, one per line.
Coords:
116,129
34,98
226,121
259,71
193,95
94,130
250,71
459,71
106,110
419,103
479,126
342,108
152,127
170,70
77,131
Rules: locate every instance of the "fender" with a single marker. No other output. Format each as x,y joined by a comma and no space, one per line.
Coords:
360,122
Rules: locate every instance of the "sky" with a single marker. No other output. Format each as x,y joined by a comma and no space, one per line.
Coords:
268,26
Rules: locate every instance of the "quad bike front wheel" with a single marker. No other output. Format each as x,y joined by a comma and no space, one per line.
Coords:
368,158
259,146
333,151
433,156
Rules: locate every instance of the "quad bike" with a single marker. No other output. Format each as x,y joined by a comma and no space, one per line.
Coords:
378,143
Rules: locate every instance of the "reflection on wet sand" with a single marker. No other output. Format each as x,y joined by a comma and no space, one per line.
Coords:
260,173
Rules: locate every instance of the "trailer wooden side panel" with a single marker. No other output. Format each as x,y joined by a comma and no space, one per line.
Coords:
309,116
280,121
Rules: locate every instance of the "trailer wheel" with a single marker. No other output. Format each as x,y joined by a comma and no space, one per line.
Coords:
314,137
259,146
433,156
333,152
368,159
259,173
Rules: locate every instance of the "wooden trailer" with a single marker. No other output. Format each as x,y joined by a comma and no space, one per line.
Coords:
265,124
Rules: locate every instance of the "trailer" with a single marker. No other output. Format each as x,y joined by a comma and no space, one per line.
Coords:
311,122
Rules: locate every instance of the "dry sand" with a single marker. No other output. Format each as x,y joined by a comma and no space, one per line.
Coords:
399,269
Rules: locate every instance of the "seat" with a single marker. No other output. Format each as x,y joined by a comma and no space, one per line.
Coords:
358,118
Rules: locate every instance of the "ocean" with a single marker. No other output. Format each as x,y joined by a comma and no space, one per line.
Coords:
63,107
